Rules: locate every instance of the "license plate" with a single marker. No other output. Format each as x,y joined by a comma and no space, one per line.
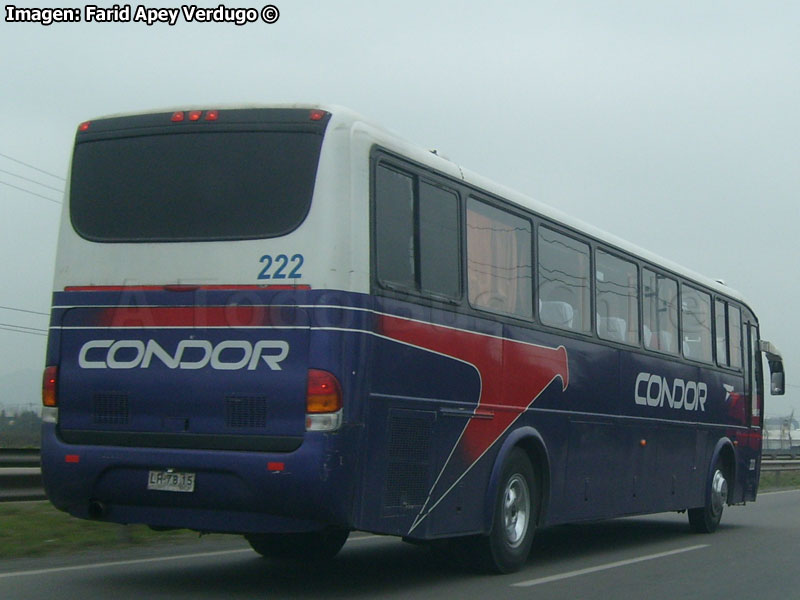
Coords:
171,481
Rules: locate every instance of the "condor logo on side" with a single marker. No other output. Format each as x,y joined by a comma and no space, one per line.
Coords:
229,355
654,390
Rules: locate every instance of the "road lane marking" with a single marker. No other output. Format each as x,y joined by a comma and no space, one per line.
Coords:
141,561
614,565
775,492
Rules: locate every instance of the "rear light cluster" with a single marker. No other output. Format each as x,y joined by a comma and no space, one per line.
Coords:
194,115
49,387
49,395
323,401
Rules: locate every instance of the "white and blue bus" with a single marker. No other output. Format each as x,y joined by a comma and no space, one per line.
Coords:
289,323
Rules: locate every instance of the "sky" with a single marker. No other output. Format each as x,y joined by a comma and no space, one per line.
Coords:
674,125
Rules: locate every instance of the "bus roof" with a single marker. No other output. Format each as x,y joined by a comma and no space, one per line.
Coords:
345,118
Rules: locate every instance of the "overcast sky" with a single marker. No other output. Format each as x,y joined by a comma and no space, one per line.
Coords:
675,125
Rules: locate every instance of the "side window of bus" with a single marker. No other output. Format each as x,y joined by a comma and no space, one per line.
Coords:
696,321
659,312
735,336
439,234
617,289
564,281
721,332
728,334
394,227
499,269
416,234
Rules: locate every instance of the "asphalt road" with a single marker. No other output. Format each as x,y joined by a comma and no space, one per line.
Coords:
754,554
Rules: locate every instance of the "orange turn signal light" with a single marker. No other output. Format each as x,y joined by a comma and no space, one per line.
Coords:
324,394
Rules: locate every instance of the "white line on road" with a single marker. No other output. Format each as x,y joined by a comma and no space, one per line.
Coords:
775,492
141,561
614,565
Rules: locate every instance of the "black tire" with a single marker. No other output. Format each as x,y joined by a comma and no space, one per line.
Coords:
705,519
516,510
313,545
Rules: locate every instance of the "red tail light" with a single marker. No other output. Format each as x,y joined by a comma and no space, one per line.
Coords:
324,393
317,115
178,116
49,383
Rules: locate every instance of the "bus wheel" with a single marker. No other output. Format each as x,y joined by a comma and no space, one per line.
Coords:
313,545
506,548
705,519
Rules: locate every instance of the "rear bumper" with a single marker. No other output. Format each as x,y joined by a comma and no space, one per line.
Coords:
235,492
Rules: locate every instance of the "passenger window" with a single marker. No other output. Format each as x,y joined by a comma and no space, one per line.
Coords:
440,271
416,234
721,331
729,334
735,336
617,288
499,260
659,312
394,227
696,324
564,281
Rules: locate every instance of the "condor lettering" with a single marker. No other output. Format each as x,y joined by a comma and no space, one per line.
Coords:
228,355
654,390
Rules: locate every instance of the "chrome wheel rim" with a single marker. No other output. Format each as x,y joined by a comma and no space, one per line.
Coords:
719,492
516,510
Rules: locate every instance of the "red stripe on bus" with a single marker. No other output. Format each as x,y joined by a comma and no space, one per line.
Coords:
186,316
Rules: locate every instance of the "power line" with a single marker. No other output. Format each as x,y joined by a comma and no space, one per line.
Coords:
31,166
22,310
24,327
30,192
31,180
20,331
28,330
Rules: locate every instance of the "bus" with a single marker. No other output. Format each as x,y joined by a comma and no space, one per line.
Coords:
289,323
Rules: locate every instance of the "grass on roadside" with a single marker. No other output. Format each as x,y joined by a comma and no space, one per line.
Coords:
37,529
773,480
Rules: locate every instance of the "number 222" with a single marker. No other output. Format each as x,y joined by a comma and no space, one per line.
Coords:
281,262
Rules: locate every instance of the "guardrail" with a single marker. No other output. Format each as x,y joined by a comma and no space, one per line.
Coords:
21,475
781,453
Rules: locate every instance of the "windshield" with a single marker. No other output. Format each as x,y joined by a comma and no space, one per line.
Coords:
218,185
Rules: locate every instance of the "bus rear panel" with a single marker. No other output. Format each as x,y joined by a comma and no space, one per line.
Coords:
198,379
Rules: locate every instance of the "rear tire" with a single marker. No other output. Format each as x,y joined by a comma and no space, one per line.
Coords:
705,519
313,545
506,548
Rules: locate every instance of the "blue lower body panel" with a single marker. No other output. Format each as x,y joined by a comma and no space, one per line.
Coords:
234,492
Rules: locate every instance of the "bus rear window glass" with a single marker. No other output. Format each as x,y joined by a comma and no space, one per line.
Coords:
696,320
499,260
193,186
564,283
659,312
617,299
